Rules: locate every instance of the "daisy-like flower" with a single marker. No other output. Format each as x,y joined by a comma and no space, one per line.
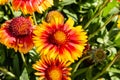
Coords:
17,33
51,16
58,39
30,6
2,2
52,69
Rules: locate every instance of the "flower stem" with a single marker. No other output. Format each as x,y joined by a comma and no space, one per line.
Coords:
81,60
12,11
23,58
99,12
34,18
7,72
108,20
107,67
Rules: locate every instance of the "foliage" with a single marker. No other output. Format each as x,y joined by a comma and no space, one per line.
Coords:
97,17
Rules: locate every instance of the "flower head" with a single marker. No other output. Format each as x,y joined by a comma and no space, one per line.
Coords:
2,2
17,33
58,39
52,69
99,55
51,17
30,6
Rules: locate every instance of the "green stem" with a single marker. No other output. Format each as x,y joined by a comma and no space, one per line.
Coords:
12,11
34,18
81,60
23,58
99,12
108,20
7,72
106,68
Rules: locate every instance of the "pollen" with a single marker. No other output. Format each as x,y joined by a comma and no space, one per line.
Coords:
20,26
55,74
60,37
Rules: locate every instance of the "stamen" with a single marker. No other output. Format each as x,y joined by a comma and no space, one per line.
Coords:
60,37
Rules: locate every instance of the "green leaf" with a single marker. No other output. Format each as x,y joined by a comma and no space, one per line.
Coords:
89,73
67,2
6,17
16,67
17,13
1,14
34,56
24,75
109,7
114,70
100,40
112,50
114,10
78,72
70,13
114,76
2,56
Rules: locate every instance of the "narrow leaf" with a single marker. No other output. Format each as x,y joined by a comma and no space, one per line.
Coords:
24,75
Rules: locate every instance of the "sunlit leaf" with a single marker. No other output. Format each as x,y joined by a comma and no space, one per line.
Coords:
109,7
67,2
114,70
24,75
100,40
17,13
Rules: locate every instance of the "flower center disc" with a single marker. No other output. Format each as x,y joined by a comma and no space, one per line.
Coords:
100,54
20,26
55,74
60,37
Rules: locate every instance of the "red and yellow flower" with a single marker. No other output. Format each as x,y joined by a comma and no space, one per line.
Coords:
52,69
30,6
58,39
17,33
2,2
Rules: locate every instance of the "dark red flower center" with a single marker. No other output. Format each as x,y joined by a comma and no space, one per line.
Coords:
20,26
